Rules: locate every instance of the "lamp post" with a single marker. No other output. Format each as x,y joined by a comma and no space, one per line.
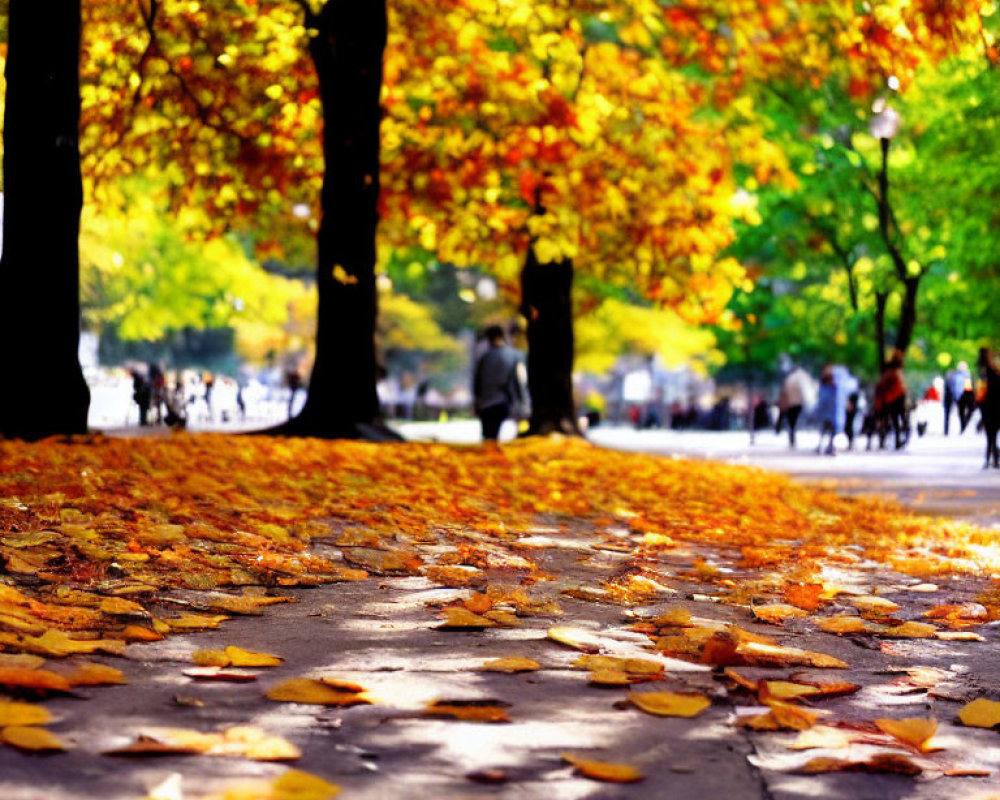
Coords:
883,125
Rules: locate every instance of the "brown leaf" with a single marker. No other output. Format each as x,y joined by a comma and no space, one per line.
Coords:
603,771
469,710
315,692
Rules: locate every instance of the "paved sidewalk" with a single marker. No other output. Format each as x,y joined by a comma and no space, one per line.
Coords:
382,634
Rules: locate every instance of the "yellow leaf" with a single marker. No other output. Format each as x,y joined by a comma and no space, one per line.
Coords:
776,613
196,622
980,713
821,736
786,690
669,704
469,710
18,714
636,666
457,618
210,658
238,657
511,665
116,606
873,604
910,630
298,785
603,771
914,731
612,677
577,638
15,678
314,692
26,738
844,625
94,675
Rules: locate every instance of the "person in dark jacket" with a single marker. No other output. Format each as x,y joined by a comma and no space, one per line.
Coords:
990,406
495,385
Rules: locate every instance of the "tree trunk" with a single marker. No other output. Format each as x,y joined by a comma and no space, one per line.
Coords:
547,305
44,393
907,313
881,299
347,53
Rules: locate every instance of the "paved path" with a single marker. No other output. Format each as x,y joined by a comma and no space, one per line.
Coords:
935,475
381,634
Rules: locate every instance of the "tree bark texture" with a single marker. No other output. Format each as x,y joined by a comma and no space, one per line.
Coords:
881,300
44,393
347,51
547,305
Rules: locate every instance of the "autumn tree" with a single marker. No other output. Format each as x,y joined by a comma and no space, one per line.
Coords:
260,104
39,270
535,139
821,74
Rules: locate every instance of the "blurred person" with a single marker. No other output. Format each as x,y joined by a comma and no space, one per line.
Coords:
827,411
760,416
954,387
890,403
495,386
142,394
990,406
158,387
966,404
791,400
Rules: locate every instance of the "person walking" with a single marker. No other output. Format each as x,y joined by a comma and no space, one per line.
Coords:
954,387
890,402
495,386
794,390
826,410
990,406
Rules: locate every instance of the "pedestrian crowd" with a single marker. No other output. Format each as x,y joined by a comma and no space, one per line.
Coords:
889,414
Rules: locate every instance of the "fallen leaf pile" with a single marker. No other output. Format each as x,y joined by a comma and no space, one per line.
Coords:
106,543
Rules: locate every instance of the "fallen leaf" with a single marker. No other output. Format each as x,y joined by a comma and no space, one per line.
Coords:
457,618
20,714
777,656
40,679
842,625
980,713
577,638
220,674
603,771
469,710
669,704
196,622
914,731
777,613
820,736
210,658
28,738
510,665
86,674
873,604
635,666
611,677
881,762
910,630
314,692
238,657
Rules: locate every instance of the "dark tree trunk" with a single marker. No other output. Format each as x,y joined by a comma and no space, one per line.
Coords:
881,299
44,392
347,53
547,305
907,313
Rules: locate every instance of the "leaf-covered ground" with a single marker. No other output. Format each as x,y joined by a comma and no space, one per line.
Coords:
820,639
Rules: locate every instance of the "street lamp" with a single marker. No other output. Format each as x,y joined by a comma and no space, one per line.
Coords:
885,121
883,125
